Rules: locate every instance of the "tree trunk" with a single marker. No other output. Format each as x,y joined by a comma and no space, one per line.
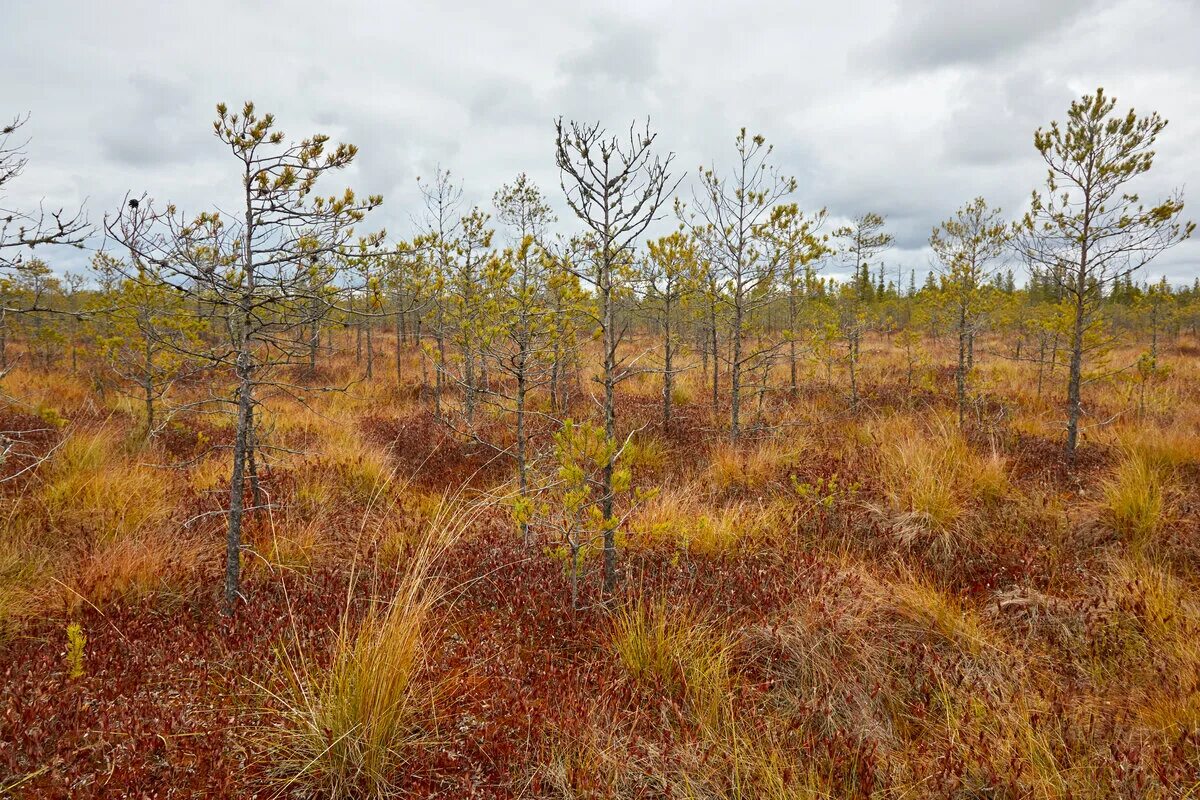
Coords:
960,374
256,501
610,427
399,343
148,384
233,534
1074,381
522,467
439,375
854,368
735,370
1075,378
716,363
370,352
668,373
792,337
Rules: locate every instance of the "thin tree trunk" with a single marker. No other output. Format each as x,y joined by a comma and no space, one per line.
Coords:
960,374
256,500
400,343
233,534
668,372
1075,379
370,352
610,428
522,467
735,371
716,364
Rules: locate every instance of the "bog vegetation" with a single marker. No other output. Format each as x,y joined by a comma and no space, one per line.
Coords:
703,500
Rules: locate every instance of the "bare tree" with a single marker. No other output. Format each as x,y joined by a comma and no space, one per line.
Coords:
796,244
672,273
522,321
730,219
862,242
24,230
616,186
443,199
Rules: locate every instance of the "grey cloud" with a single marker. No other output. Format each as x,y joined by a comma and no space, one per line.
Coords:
905,107
994,117
505,103
149,126
935,33
619,52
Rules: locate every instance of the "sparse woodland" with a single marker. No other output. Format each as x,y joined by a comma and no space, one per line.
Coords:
638,500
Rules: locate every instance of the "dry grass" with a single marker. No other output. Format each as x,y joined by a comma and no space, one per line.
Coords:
1158,615
24,567
682,518
91,484
750,467
50,394
347,727
674,649
931,477
132,567
360,470
962,626
1165,447
644,453
1135,499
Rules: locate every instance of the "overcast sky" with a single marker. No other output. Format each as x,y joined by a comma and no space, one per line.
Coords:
904,107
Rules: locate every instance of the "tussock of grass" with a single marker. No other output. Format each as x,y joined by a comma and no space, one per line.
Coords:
23,569
931,478
55,391
210,475
92,485
922,607
345,728
1165,448
295,536
677,650
360,470
1148,639
749,467
131,567
733,761
679,517
1135,499
644,453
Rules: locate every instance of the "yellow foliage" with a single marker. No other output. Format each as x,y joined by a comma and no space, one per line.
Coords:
76,641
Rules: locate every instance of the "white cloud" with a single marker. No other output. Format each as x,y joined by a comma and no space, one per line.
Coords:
906,107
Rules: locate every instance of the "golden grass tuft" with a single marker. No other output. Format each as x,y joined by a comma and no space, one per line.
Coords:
679,517
23,569
52,393
359,469
93,486
210,475
749,467
1165,447
1135,503
346,727
644,453
932,477
131,567
922,607
677,650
